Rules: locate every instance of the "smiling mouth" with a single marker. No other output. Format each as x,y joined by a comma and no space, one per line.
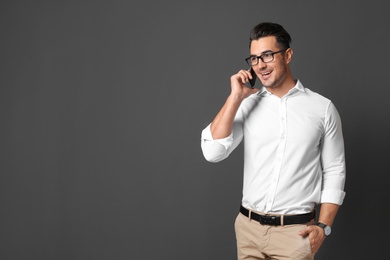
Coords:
265,74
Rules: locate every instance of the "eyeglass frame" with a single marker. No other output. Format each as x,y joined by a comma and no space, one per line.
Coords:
261,57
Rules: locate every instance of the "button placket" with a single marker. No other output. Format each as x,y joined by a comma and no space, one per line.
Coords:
279,152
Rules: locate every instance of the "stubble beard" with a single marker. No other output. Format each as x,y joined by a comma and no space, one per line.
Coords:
276,83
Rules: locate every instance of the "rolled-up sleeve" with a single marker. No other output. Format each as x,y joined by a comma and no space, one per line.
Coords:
215,150
333,159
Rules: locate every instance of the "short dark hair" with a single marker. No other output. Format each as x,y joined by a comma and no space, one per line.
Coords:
265,29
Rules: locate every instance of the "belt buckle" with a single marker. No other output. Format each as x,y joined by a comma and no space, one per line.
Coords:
268,220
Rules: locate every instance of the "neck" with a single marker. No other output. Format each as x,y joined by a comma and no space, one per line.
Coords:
283,88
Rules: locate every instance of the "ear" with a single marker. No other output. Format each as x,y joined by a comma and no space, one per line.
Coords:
288,55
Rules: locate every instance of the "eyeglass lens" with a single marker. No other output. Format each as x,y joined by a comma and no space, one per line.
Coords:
266,57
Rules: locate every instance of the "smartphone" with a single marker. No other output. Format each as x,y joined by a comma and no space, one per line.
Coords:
253,80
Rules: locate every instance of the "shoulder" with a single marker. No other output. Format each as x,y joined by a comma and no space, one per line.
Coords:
314,98
249,104
316,95
314,102
251,100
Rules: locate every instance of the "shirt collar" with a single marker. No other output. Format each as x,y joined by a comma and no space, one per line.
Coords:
298,87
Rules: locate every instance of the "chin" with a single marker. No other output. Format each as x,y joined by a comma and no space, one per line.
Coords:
272,83
269,84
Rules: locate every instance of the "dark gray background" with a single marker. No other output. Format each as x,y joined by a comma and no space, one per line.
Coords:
103,103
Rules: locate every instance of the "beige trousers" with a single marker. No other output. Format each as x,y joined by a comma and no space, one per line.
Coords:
256,241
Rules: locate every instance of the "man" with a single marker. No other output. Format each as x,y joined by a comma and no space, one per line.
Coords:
293,153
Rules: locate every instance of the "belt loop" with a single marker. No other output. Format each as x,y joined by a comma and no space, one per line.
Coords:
250,215
282,220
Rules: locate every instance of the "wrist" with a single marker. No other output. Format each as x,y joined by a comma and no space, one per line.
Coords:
235,99
327,229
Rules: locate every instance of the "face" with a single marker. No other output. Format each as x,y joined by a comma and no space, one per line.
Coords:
275,73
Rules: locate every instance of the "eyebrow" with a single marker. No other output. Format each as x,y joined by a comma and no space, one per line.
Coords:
264,52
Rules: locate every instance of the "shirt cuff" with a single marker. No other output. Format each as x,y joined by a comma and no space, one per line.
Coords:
226,142
333,196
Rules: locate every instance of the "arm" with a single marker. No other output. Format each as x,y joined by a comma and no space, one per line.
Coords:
222,124
328,213
217,140
333,178
316,234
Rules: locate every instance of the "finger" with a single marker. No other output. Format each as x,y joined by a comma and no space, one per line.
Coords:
304,232
250,73
244,75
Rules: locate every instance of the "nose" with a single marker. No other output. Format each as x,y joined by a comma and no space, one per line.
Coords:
261,64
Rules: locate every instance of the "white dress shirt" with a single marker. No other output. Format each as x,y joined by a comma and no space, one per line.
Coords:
293,151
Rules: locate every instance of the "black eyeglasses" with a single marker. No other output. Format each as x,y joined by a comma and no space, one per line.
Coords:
265,57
